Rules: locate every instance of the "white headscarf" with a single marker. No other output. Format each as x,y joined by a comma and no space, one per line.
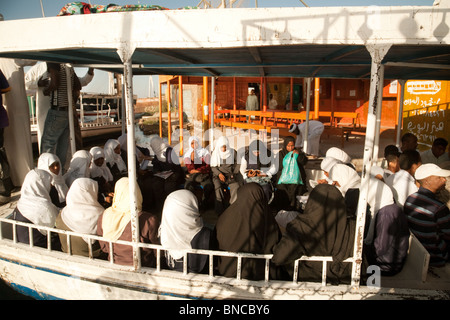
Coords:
103,170
347,177
328,163
113,158
35,203
180,222
44,162
379,196
116,217
218,156
159,147
199,151
82,209
79,167
338,154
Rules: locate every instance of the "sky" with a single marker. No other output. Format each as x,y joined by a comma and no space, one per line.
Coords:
26,9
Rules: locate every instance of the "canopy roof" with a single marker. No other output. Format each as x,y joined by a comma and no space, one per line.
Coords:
299,42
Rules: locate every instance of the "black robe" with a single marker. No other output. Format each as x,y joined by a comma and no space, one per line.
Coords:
247,226
322,230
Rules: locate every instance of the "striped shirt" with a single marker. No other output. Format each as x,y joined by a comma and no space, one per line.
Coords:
59,97
429,221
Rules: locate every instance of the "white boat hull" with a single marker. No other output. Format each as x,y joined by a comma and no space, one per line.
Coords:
42,274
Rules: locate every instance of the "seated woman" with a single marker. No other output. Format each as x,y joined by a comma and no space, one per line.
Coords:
115,224
340,155
167,172
197,161
35,206
258,165
79,167
321,230
182,228
80,215
113,159
247,226
101,173
291,176
226,173
50,162
348,183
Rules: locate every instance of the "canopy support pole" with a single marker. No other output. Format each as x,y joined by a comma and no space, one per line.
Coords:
70,110
211,113
400,112
126,55
377,53
376,146
308,107
180,113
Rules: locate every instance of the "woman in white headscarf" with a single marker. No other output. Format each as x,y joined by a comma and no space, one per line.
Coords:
167,172
182,228
79,167
340,155
50,163
101,173
226,173
35,206
348,182
115,224
114,160
80,215
196,160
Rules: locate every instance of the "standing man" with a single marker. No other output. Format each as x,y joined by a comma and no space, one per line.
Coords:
55,138
428,218
37,78
252,103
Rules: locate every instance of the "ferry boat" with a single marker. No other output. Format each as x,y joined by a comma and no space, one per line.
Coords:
262,41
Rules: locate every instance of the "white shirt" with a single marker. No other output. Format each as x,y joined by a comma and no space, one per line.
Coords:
403,185
428,157
269,171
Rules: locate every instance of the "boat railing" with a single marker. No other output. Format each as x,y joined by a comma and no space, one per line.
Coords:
158,248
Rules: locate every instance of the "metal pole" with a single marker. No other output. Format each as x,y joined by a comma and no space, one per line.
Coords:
160,109
402,84
180,111
70,109
376,146
128,86
377,53
308,107
211,114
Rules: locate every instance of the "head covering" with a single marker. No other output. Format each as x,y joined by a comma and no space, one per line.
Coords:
159,147
103,170
113,158
264,156
35,203
328,163
44,162
116,217
292,127
379,196
82,209
430,169
377,170
247,226
199,151
347,177
338,154
321,230
218,156
79,167
180,222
